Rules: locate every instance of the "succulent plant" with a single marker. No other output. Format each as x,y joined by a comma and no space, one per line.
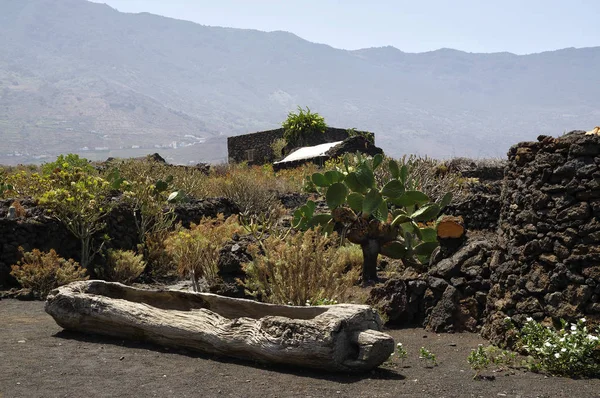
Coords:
5,189
394,219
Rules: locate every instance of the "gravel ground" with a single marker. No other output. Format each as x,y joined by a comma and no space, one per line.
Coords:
39,359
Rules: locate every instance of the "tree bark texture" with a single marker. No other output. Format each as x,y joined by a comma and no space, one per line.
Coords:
344,337
370,251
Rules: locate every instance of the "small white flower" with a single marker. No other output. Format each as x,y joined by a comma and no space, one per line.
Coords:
591,337
583,320
562,339
529,319
547,344
557,355
573,327
563,350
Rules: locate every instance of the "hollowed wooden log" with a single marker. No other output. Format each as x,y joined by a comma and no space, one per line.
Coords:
343,337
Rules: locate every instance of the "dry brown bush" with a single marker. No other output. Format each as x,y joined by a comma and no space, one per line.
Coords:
41,272
19,209
304,268
196,250
160,262
124,265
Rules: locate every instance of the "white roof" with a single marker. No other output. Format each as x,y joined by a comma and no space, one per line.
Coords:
309,152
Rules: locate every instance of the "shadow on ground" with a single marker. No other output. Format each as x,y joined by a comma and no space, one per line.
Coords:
345,378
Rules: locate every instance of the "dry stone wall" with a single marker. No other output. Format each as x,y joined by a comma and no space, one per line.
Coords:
550,228
38,231
260,144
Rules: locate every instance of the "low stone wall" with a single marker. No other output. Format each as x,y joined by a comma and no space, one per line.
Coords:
38,231
349,145
260,144
540,260
450,297
550,227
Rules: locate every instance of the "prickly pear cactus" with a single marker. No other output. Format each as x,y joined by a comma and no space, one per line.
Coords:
393,219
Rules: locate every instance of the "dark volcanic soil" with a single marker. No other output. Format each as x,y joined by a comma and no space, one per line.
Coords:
38,359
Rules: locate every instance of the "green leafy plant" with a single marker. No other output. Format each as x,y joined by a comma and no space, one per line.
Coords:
299,126
479,360
148,202
392,218
302,268
401,353
196,251
573,350
5,188
80,201
25,183
483,358
266,224
124,265
427,356
321,301
69,162
277,147
41,272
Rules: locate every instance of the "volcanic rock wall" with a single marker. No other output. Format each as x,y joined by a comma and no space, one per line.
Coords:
550,227
38,231
259,144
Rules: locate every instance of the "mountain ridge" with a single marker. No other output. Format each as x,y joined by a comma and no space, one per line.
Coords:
122,80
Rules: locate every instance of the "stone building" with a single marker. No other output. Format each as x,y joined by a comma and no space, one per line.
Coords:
256,149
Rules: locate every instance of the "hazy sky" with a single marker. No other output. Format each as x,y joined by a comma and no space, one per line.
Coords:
518,26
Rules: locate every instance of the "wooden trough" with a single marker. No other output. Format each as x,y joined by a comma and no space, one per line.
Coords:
343,337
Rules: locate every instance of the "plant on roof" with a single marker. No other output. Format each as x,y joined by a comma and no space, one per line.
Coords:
392,217
299,126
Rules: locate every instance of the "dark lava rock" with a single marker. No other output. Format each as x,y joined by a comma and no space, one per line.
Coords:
444,313
352,145
390,299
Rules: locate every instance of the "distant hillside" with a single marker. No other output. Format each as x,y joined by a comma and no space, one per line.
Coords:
75,74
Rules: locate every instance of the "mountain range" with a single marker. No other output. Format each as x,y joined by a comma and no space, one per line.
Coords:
77,76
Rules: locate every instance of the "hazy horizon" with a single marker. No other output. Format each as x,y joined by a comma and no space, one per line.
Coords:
465,25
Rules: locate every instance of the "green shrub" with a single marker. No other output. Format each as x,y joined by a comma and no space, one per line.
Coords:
41,272
482,358
428,357
69,162
277,147
124,266
25,183
299,126
148,200
573,350
80,202
303,268
5,188
196,250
